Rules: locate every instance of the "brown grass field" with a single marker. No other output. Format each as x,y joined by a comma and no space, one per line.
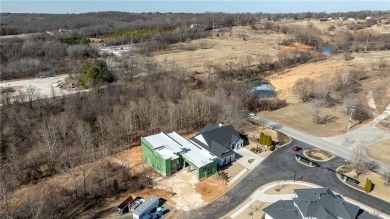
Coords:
380,151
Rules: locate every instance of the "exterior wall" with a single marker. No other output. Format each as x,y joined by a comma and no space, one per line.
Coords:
238,144
208,170
222,161
155,160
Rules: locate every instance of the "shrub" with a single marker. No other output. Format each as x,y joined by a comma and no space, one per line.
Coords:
368,186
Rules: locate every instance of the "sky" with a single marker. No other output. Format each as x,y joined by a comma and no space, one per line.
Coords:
200,6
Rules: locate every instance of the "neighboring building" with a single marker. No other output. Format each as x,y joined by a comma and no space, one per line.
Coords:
319,203
220,141
169,153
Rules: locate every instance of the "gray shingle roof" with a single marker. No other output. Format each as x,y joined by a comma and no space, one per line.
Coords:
321,203
310,200
208,127
282,209
216,137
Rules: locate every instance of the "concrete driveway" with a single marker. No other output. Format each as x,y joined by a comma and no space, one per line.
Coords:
244,155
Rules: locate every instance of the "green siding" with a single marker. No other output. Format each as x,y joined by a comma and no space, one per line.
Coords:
165,166
155,160
212,167
202,171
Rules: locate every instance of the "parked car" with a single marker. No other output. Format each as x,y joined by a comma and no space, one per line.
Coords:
296,149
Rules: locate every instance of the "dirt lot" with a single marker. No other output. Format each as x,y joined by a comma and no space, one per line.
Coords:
285,189
254,211
380,151
189,193
210,188
44,86
233,169
380,190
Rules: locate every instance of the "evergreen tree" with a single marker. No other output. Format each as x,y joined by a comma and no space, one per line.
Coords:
368,185
262,138
95,74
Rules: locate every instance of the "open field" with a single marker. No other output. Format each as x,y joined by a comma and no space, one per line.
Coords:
229,46
298,116
380,151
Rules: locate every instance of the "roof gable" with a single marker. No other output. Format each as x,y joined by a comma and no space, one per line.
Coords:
222,135
282,209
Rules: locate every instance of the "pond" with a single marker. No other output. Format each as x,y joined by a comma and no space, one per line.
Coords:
262,89
326,49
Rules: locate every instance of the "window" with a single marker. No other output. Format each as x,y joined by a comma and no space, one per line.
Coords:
174,165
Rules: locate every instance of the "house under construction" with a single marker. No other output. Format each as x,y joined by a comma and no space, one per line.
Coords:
168,153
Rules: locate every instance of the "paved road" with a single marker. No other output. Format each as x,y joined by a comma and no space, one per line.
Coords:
343,152
278,166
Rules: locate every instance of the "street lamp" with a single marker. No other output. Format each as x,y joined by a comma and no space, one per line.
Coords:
350,117
345,163
295,175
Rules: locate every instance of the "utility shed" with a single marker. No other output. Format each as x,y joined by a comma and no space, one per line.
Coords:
146,207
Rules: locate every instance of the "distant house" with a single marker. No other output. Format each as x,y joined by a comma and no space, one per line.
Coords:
220,141
319,203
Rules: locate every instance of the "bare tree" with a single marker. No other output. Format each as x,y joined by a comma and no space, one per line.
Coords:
385,171
349,103
304,88
83,133
48,133
35,204
25,66
361,161
316,112
346,84
208,65
31,93
323,92
5,191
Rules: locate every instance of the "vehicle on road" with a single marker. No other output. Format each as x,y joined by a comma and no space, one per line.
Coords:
296,149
